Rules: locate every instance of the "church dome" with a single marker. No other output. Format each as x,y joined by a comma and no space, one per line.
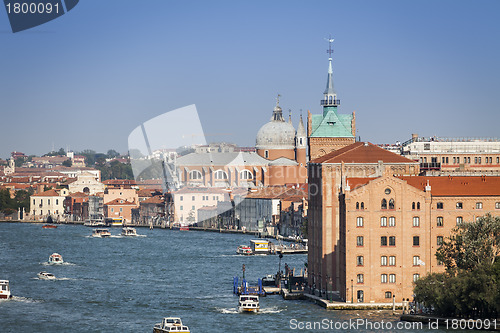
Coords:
276,134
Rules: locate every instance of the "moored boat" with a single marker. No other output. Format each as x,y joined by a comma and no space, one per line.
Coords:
102,233
55,258
128,231
248,303
4,289
244,250
46,276
49,226
171,324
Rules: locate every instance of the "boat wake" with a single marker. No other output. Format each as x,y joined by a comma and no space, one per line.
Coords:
21,299
56,279
273,309
63,264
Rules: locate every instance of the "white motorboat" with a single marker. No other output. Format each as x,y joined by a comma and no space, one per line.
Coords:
248,303
171,324
46,276
55,258
4,289
102,233
127,231
244,250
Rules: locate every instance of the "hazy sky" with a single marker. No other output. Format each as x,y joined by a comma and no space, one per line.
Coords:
88,78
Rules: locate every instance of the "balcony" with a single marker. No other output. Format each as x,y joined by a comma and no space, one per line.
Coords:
332,102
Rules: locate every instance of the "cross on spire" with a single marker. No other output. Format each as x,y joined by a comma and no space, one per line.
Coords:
278,99
330,41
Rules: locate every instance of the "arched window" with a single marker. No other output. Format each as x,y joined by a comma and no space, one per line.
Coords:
391,204
331,99
220,174
195,174
418,205
362,205
246,175
384,204
357,205
413,205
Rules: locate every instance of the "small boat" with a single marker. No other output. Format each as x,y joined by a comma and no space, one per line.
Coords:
269,280
55,259
127,231
4,289
94,223
244,250
184,227
101,233
248,303
49,226
46,276
171,324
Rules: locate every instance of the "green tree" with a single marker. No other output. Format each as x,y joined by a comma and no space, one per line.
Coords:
112,153
19,162
67,163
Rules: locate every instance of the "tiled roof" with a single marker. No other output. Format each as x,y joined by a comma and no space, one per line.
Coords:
269,192
78,195
355,183
222,159
49,193
117,202
457,186
362,152
154,200
192,190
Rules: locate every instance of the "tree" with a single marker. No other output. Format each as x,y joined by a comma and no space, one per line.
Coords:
471,284
68,163
19,162
472,244
112,153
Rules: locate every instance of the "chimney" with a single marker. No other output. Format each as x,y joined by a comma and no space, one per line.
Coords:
427,187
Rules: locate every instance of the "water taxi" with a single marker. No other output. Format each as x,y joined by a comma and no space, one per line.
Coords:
49,226
46,276
244,250
248,303
114,221
4,289
101,233
94,223
171,324
55,258
259,246
127,231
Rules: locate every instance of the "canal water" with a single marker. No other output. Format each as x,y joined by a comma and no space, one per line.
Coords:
123,284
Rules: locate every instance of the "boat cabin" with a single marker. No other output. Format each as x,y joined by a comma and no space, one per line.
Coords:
5,289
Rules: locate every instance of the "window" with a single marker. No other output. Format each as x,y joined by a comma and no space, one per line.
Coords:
416,241
192,207
439,240
266,154
383,241
498,160
220,175
121,209
387,191
439,221
383,278
359,241
392,241
112,210
392,221
383,221
360,278
383,205
439,205
357,205
48,202
392,278
388,294
416,276
497,205
195,175
182,197
413,205
361,296
192,198
475,160
460,219
359,221
418,205
181,208
391,204
416,221
33,202
416,261
362,205
246,175
57,201
383,261
479,160
392,261
479,205
459,205
359,261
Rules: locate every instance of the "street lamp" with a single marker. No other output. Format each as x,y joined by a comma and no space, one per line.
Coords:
352,291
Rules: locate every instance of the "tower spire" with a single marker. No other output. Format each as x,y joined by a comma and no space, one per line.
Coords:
278,112
330,96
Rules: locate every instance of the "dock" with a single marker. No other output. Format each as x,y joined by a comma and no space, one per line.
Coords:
334,305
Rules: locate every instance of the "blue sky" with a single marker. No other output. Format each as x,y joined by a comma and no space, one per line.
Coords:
88,78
